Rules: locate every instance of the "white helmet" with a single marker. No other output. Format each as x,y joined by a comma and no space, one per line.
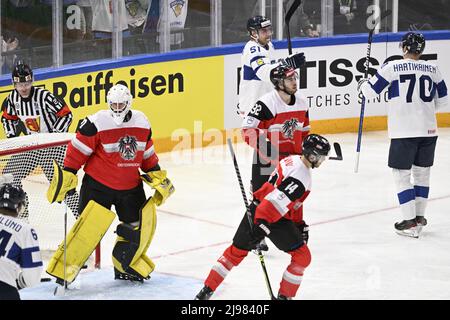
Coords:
119,94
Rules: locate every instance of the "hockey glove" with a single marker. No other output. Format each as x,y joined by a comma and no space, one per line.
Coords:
163,186
63,182
361,83
295,61
304,230
260,230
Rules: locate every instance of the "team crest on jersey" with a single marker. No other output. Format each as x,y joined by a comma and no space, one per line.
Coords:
289,126
177,7
128,147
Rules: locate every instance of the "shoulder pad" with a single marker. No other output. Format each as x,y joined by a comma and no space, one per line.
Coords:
87,128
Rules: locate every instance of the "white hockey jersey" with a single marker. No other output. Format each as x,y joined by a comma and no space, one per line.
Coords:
255,74
102,15
415,91
20,257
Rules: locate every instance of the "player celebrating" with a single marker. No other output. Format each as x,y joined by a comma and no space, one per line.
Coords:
34,110
20,257
275,126
275,215
257,63
416,90
112,145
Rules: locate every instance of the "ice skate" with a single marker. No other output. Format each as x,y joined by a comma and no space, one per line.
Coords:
204,294
407,228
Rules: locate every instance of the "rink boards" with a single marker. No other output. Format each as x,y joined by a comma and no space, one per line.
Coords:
190,96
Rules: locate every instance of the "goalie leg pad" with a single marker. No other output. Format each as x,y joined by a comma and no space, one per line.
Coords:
129,253
82,239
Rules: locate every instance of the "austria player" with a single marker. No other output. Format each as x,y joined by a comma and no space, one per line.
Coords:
275,215
257,62
113,145
416,90
276,125
20,257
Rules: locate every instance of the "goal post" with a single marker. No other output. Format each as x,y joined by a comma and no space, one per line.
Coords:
30,160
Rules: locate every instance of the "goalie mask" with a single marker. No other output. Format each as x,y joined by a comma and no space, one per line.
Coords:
12,198
315,149
119,101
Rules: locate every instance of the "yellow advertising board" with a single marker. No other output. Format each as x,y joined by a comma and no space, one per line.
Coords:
174,95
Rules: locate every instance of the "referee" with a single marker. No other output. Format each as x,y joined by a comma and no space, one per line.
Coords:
32,110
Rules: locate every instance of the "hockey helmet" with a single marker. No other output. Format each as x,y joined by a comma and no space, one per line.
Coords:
119,101
257,22
12,198
315,149
414,42
281,72
22,73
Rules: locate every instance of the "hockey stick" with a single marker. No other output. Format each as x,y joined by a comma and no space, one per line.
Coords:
338,151
250,220
366,73
60,290
287,19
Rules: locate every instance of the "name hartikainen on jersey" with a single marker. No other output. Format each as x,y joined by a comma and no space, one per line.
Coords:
416,90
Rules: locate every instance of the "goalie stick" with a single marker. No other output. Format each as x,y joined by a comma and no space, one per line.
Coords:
250,220
287,19
366,73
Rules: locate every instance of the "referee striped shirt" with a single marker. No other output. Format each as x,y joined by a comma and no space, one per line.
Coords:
40,112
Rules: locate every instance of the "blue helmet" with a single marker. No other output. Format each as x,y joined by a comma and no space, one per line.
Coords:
257,22
414,42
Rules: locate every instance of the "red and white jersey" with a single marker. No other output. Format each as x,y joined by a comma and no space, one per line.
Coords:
284,124
283,195
112,154
20,257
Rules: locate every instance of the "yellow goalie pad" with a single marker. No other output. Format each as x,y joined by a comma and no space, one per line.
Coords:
82,239
129,254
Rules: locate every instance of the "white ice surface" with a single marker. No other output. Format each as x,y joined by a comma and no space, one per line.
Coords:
355,252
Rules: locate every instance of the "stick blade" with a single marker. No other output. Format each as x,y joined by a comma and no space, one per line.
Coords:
383,15
338,151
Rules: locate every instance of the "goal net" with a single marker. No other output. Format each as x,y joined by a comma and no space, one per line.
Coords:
30,160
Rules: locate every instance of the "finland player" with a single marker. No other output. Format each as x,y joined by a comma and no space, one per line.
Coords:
257,62
416,90
112,145
276,216
34,110
20,257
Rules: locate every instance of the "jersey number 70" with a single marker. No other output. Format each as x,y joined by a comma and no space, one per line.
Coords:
425,85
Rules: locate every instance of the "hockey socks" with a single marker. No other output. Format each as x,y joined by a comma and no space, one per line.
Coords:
292,277
421,176
231,257
405,192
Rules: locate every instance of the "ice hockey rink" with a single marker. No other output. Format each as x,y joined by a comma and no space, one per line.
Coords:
355,252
